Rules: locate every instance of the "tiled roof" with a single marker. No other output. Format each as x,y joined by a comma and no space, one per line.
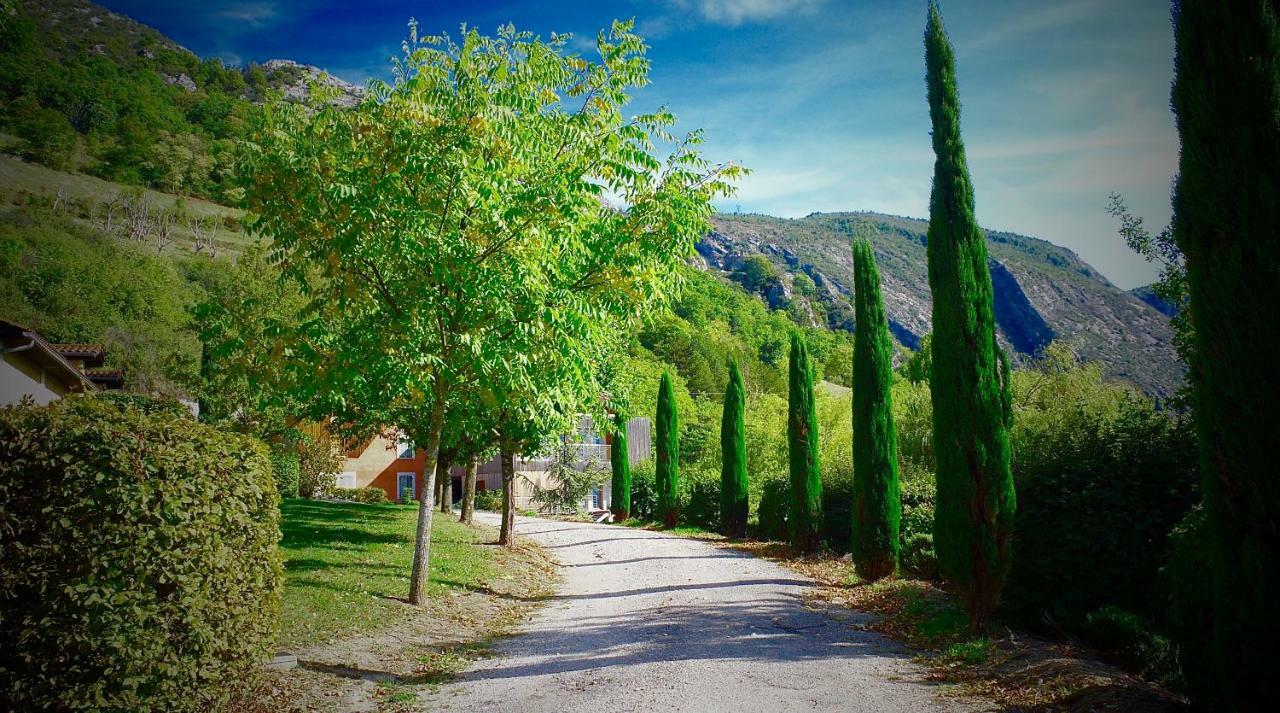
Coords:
78,350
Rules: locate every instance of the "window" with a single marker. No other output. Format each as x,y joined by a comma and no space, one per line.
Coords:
404,449
347,479
406,486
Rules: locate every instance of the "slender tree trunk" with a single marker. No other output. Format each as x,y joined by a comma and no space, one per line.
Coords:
426,504
444,483
508,534
469,489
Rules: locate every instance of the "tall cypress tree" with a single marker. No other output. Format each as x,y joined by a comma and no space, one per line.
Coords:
973,520
619,460
668,466
802,441
1227,222
733,462
877,507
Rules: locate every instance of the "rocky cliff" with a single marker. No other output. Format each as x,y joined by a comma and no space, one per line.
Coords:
1042,291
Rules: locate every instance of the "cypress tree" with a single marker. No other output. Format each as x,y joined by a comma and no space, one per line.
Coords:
619,461
1227,221
733,450
668,466
802,441
973,519
877,507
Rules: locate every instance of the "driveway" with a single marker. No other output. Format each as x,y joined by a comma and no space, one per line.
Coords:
647,621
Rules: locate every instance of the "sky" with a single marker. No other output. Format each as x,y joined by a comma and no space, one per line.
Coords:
1064,101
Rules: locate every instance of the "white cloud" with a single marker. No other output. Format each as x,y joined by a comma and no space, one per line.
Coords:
736,12
253,14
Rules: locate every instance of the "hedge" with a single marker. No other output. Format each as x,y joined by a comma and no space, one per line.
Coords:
368,496
139,567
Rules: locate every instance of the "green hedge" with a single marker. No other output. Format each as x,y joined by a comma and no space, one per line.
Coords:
139,567
368,496
286,472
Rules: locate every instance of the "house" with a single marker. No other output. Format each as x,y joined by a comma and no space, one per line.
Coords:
386,461
592,450
32,367
392,463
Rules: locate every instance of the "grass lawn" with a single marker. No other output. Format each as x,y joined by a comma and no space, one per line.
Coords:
347,566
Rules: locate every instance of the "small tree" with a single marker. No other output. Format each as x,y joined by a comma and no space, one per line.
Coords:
973,520
668,453
572,477
877,507
802,442
733,449
620,463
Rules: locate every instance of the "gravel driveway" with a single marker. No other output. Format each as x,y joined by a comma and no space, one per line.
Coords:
647,621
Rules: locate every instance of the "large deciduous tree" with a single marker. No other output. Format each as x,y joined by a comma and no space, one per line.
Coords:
668,453
877,507
1227,222
733,451
802,442
973,523
456,217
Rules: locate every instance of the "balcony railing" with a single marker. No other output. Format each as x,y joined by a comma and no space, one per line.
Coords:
584,455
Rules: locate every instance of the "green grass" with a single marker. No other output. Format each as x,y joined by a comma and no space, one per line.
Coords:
347,566
17,175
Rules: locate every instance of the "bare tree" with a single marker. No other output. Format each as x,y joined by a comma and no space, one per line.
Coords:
163,229
109,209
204,231
137,214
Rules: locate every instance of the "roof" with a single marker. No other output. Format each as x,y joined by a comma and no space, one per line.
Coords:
91,354
15,338
106,377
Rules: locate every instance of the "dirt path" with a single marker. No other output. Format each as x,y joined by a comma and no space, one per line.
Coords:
647,621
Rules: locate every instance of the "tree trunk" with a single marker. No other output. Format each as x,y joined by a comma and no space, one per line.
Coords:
426,505
469,490
444,483
507,536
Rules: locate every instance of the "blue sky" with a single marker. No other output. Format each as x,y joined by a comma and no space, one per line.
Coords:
1064,101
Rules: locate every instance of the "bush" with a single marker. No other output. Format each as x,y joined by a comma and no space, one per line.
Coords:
318,460
918,556
139,559
837,506
487,500
918,491
775,506
368,496
1189,603
1132,640
700,498
1098,494
285,472
644,489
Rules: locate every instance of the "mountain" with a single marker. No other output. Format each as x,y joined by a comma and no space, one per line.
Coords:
1043,292
91,91
1148,295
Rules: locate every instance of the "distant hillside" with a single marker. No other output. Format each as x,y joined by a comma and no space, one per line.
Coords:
1043,292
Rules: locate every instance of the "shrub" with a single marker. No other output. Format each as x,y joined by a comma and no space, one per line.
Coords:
644,490
1190,600
140,560
318,460
700,498
775,507
918,556
1098,494
368,496
837,505
285,471
1133,640
918,492
486,500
